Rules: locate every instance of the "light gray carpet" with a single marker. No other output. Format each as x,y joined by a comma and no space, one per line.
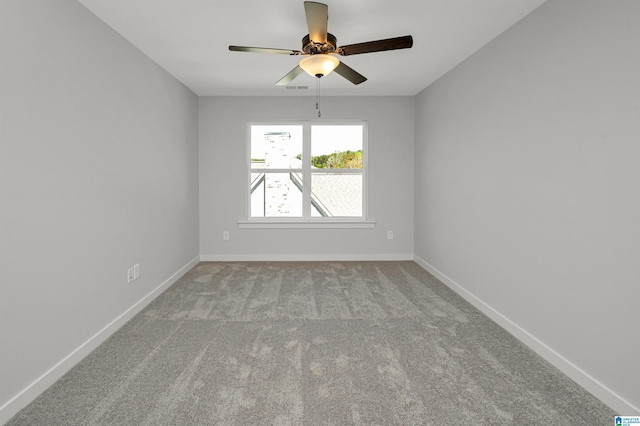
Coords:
312,343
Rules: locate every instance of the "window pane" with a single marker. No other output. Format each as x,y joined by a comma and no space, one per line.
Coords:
276,147
276,194
336,146
336,194
333,158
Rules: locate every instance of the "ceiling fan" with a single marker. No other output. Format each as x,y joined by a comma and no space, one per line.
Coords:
319,48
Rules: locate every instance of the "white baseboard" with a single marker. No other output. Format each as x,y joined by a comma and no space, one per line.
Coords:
28,394
597,389
304,257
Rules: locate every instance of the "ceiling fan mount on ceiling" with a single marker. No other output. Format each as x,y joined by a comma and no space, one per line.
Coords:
320,48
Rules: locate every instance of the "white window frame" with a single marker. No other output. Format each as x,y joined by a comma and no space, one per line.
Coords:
307,221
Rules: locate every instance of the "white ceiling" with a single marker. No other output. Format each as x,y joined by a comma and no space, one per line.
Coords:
190,39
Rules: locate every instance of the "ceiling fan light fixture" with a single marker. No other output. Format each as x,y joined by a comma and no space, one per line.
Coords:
319,65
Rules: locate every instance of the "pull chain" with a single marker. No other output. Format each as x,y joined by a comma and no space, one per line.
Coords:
318,96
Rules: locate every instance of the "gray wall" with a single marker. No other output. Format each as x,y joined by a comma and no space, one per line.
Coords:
527,184
99,171
223,123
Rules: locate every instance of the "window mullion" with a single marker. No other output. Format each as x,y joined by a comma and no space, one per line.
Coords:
306,170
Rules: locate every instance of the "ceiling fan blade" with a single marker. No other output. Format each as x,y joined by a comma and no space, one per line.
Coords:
264,50
350,74
395,43
317,17
289,77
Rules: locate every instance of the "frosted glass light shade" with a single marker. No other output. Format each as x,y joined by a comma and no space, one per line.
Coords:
319,65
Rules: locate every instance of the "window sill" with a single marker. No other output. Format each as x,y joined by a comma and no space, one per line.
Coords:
306,224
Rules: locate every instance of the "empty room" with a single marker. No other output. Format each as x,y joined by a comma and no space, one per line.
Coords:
319,213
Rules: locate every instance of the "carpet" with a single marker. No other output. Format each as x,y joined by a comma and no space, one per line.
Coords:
312,343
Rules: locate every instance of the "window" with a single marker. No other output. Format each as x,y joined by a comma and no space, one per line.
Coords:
307,172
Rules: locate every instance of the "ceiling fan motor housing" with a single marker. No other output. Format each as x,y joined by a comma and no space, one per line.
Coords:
311,47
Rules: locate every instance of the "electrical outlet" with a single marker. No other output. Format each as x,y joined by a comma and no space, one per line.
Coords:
130,275
389,235
136,271
225,235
